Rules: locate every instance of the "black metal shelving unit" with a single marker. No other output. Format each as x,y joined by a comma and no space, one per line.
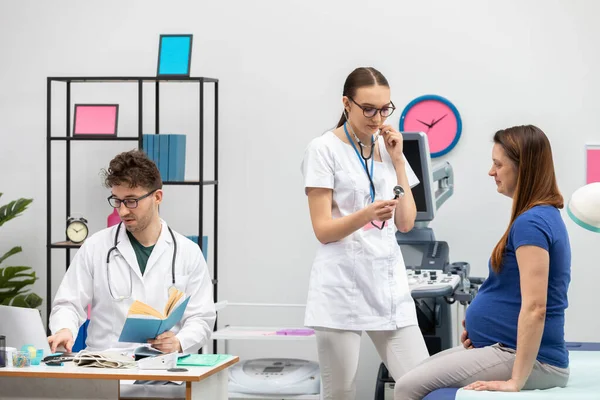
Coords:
68,139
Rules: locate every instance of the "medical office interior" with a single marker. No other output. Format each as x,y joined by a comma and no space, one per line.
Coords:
280,68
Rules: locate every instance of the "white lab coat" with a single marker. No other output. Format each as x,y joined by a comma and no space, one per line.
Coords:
358,282
85,282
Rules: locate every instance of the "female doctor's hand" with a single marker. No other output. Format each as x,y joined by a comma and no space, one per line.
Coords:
381,210
64,338
166,342
394,143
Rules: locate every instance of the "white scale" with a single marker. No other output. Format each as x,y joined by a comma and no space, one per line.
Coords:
431,283
275,376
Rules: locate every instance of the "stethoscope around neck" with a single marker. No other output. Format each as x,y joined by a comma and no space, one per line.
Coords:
362,155
116,242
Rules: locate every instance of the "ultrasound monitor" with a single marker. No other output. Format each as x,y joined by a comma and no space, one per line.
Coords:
416,151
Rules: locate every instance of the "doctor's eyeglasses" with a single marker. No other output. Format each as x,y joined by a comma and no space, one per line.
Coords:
129,203
370,112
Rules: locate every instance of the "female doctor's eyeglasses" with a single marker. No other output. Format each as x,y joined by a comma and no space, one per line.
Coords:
129,203
370,112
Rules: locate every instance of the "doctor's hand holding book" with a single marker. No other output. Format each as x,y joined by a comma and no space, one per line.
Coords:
145,324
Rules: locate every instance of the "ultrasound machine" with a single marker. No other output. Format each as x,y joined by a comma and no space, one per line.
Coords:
435,283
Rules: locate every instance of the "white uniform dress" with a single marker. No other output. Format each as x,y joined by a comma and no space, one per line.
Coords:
358,282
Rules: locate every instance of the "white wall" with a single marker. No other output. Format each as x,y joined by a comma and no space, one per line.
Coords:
282,67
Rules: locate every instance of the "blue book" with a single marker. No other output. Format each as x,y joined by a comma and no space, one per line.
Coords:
148,143
155,148
204,244
172,158
181,158
150,322
176,157
193,239
145,143
205,247
163,156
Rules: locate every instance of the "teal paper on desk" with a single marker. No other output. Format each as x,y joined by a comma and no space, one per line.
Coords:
202,360
139,330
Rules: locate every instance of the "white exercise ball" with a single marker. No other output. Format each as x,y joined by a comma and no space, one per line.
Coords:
584,207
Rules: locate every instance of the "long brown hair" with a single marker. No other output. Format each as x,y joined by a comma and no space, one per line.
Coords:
529,149
361,77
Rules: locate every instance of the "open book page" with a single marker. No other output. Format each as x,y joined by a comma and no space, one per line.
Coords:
140,309
143,309
175,296
174,317
143,322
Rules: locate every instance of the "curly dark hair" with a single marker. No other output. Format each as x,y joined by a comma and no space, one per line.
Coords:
133,168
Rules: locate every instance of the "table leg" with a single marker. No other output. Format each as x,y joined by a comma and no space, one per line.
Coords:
13,388
212,388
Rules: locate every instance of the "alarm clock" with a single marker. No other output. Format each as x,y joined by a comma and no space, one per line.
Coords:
438,118
77,229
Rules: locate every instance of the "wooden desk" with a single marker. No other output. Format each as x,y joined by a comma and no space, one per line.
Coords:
80,383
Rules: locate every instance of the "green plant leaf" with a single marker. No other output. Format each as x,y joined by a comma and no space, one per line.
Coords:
14,280
13,209
11,252
31,300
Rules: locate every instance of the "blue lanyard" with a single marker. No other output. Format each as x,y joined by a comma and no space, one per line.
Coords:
363,161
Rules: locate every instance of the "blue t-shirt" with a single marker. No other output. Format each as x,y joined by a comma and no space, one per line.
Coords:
493,315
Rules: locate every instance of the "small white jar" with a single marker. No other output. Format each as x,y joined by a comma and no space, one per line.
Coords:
9,353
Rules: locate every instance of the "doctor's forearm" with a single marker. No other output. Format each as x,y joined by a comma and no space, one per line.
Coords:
336,229
406,210
193,336
63,317
197,330
529,336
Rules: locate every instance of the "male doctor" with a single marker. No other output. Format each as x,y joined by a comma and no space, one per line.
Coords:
141,252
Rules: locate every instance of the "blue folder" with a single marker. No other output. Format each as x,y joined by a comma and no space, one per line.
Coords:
155,148
176,157
139,330
148,145
145,143
181,158
205,247
163,156
204,244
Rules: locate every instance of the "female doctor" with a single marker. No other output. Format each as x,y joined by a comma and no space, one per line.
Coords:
139,259
358,186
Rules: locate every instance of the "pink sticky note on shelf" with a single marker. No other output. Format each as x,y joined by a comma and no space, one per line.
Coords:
95,119
593,163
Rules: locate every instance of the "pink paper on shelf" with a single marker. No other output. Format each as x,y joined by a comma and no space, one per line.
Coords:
95,119
593,164
296,332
